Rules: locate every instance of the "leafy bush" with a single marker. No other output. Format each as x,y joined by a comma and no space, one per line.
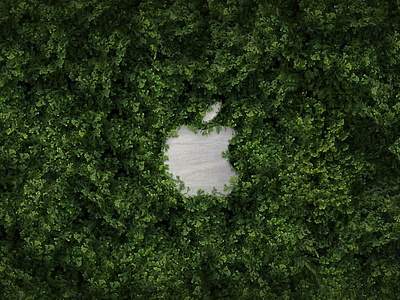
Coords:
90,90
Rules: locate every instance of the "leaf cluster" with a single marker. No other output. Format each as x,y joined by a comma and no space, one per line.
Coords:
91,90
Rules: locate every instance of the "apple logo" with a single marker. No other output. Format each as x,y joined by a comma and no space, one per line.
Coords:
198,161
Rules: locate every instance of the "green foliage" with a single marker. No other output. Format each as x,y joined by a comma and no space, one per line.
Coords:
89,93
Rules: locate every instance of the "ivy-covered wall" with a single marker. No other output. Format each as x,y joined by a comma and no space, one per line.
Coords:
89,92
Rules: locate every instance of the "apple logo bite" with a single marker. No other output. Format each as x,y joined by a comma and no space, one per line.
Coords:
196,159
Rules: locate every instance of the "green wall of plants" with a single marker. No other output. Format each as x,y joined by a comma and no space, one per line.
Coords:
89,92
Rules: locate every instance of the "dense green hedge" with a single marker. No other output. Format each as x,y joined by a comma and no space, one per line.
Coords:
89,92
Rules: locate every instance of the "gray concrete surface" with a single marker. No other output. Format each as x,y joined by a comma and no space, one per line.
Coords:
197,159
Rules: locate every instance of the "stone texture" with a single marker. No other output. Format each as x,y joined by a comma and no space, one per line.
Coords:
197,159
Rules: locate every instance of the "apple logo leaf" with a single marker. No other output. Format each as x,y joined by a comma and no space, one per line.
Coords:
200,160
211,113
